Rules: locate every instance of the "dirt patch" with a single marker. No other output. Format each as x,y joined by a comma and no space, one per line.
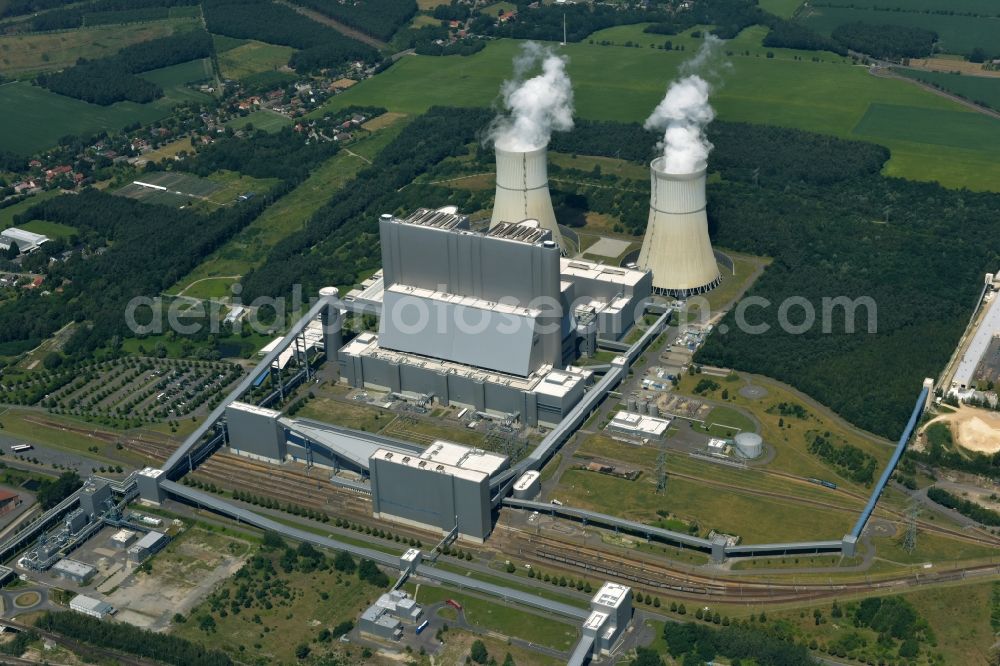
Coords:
181,576
27,599
948,65
974,429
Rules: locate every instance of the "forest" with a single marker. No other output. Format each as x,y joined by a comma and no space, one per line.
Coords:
766,646
377,18
164,648
109,80
278,24
886,41
967,508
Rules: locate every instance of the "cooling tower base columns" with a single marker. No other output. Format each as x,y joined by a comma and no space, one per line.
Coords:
676,247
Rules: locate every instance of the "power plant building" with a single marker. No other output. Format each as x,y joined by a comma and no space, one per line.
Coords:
676,247
488,320
610,614
445,487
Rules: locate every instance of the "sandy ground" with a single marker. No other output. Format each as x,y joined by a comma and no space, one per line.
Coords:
948,65
973,429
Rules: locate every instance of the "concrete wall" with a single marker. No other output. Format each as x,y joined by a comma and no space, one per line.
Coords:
256,434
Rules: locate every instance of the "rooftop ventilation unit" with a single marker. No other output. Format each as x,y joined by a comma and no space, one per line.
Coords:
676,247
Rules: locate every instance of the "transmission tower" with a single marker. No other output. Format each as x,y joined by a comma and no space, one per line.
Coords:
910,538
661,472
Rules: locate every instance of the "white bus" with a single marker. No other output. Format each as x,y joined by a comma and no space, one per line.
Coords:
20,448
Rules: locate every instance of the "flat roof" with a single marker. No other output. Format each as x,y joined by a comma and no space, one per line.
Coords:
89,603
558,383
595,620
73,566
150,539
123,535
989,327
254,409
151,472
526,479
611,595
23,235
467,301
464,457
590,270
416,462
640,423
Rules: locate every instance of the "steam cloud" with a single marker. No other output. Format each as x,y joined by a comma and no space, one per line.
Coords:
684,112
534,107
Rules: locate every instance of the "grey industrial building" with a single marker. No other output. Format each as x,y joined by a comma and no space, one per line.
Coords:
488,320
610,614
92,607
78,572
94,497
150,544
445,487
379,622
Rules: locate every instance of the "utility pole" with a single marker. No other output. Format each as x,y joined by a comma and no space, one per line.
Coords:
564,29
661,472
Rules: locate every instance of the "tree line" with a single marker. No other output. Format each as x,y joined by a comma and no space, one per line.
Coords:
967,508
765,645
886,40
113,79
278,24
73,17
378,18
164,648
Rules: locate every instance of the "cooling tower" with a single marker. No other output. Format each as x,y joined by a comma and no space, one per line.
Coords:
676,246
523,190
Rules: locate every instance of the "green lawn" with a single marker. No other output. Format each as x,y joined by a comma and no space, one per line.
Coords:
251,58
50,229
7,214
726,418
956,33
505,619
269,121
624,84
175,80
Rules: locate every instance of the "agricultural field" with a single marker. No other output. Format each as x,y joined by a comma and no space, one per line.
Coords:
7,214
624,84
979,89
35,118
252,57
783,8
176,80
36,52
50,229
956,33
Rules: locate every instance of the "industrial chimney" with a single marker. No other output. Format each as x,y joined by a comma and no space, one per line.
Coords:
676,246
523,190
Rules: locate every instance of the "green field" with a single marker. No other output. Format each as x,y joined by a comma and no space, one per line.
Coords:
624,84
39,51
50,229
269,121
981,89
940,127
985,7
176,79
251,58
783,8
223,43
34,118
7,214
956,34
249,247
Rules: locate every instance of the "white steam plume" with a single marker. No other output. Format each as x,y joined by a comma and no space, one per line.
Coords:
684,112
534,107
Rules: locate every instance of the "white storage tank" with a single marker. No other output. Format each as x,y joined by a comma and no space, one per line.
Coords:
749,445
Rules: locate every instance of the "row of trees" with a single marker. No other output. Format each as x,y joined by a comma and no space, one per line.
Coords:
765,646
967,508
164,648
73,17
109,80
278,24
886,41
378,18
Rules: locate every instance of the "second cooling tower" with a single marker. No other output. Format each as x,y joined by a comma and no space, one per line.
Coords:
523,190
676,247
